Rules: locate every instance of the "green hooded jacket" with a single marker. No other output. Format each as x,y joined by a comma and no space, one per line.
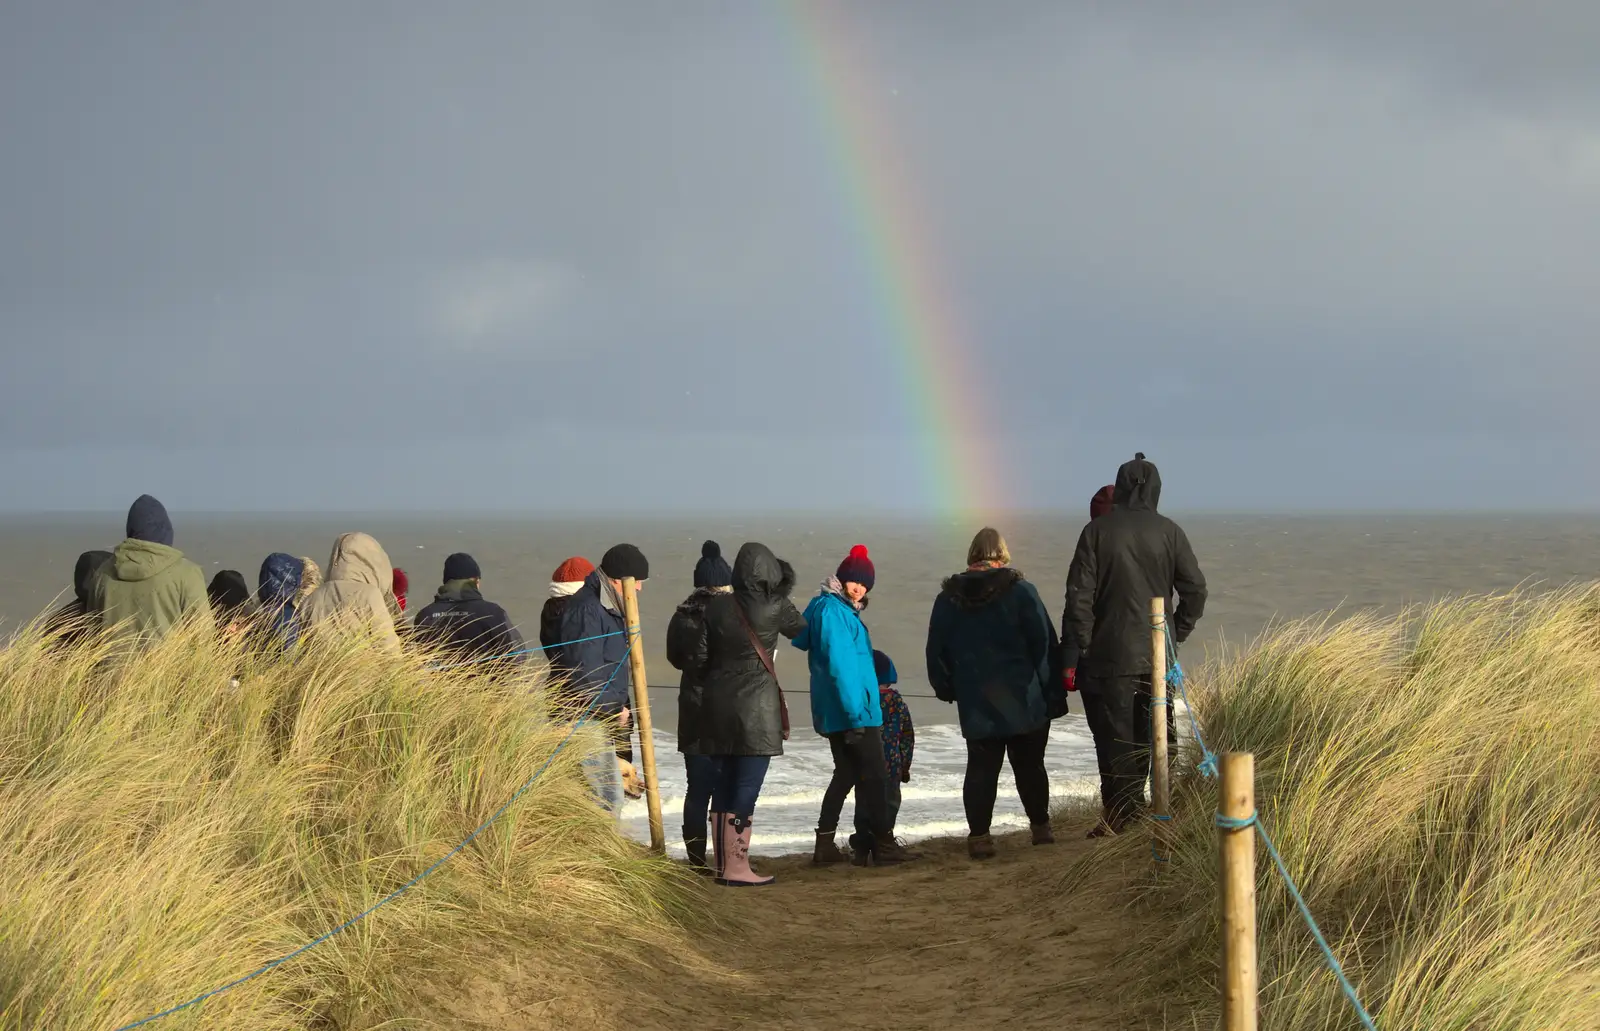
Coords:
147,589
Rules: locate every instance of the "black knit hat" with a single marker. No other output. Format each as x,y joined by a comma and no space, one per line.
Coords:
461,566
712,570
623,561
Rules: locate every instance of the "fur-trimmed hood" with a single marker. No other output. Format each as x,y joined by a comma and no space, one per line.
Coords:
978,587
757,571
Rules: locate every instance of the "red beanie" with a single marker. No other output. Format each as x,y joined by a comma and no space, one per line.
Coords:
402,584
574,570
857,568
1102,501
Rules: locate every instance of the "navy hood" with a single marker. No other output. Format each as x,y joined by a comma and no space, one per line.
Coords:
280,579
148,521
89,565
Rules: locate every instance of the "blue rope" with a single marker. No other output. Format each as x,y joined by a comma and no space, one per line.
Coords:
527,651
1235,823
1208,766
319,939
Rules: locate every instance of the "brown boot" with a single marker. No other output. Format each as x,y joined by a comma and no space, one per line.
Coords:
827,853
980,846
1042,834
1103,829
883,851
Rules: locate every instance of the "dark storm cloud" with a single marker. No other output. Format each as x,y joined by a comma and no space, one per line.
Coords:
502,236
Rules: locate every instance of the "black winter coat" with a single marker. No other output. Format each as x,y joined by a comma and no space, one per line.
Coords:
1123,560
992,650
729,703
550,631
463,624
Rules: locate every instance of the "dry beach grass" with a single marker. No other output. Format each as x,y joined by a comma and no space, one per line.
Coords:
166,832
1433,781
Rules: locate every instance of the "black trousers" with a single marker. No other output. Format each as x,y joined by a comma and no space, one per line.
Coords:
984,760
857,765
1122,732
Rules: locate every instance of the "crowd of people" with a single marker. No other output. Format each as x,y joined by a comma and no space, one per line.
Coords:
993,651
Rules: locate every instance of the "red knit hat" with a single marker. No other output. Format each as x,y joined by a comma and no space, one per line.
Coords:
574,570
402,584
1102,502
857,568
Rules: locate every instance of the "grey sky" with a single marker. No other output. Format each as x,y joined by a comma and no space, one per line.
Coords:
355,255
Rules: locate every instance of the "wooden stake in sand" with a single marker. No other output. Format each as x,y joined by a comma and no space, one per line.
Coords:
1160,788
1238,806
641,713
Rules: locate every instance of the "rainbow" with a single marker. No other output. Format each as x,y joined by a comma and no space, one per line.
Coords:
918,309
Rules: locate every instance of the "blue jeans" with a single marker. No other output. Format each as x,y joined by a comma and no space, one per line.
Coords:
600,769
701,771
736,783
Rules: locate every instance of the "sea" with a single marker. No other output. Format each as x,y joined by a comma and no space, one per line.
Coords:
1260,569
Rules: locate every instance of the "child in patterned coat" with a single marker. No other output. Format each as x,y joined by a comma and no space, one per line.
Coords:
899,737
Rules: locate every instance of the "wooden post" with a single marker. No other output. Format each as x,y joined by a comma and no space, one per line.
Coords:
641,713
1160,788
1238,802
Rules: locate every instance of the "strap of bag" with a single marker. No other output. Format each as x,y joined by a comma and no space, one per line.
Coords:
766,661
755,642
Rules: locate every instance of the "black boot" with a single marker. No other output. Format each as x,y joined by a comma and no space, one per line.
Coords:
696,849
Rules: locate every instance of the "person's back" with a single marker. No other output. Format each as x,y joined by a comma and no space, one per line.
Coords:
990,642
1123,560
461,622
148,587
354,597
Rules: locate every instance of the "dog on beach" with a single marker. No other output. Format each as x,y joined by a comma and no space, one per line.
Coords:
632,783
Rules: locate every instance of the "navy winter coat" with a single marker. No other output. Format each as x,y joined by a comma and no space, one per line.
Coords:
993,651
597,667
468,626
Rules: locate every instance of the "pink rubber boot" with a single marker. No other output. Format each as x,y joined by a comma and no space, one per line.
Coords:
734,867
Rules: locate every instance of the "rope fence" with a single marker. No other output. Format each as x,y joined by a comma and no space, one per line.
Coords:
1208,767
533,778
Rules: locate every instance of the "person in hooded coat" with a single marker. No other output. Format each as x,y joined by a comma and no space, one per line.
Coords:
1093,709
73,622
686,634
1124,560
736,722
992,650
230,599
593,654
148,587
277,593
463,623
355,597
566,580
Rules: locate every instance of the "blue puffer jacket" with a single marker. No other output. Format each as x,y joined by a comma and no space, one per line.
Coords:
844,682
598,666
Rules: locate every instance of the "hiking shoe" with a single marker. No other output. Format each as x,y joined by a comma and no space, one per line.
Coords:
881,852
1043,835
826,852
980,846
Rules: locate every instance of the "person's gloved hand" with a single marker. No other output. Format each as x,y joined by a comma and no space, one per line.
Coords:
1069,678
854,735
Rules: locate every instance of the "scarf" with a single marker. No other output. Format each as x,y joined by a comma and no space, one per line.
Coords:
562,589
831,585
609,596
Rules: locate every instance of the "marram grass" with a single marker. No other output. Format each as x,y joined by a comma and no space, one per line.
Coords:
163,832
1433,783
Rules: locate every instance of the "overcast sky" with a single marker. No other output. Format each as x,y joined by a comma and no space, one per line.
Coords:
519,255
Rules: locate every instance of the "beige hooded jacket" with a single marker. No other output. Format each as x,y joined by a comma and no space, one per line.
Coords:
354,596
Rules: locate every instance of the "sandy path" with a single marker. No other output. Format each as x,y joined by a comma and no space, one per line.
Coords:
940,943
